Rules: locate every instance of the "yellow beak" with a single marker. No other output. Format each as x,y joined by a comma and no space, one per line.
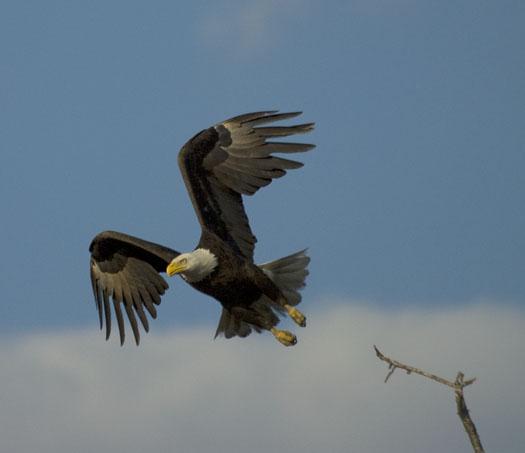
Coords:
175,268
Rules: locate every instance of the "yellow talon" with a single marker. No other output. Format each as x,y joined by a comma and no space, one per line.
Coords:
284,337
296,315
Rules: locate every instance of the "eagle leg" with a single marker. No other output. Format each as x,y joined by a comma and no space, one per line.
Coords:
296,315
284,337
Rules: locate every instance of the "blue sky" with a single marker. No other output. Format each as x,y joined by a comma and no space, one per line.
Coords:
412,200
414,194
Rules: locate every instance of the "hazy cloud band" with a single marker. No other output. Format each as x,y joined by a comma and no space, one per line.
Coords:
181,391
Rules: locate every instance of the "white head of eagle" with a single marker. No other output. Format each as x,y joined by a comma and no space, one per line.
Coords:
193,266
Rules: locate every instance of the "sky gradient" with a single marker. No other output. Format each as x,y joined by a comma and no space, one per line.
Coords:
412,201
413,194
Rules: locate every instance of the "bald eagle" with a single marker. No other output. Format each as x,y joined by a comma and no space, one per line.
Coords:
218,165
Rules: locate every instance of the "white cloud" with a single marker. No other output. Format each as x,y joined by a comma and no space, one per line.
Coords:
181,391
250,26
247,26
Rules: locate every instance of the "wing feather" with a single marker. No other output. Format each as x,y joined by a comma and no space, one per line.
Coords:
107,311
125,270
266,149
96,295
255,170
133,322
141,314
254,119
120,321
235,158
280,131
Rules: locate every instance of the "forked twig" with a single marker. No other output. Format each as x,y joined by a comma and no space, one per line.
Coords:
458,385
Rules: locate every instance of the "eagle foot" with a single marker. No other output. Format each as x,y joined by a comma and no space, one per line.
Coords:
284,337
296,315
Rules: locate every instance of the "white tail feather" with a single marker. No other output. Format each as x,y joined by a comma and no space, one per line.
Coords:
289,274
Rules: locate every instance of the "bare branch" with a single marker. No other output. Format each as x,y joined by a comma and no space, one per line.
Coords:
458,385
464,414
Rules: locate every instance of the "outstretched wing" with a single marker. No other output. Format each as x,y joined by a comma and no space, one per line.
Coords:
236,158
125,271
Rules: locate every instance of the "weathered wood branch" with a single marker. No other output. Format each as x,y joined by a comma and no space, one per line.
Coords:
458,385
